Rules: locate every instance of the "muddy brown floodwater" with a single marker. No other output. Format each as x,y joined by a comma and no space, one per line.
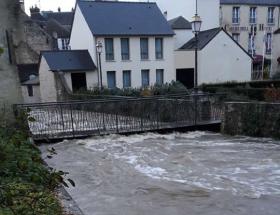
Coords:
174,174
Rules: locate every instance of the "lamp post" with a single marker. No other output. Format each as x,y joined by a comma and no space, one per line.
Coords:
196,25
99,47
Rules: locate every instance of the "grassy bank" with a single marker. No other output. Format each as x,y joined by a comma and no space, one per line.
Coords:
27,186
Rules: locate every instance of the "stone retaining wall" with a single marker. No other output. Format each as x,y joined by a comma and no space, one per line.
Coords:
258,119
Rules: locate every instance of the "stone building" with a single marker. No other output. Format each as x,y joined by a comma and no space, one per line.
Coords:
253,23
21,40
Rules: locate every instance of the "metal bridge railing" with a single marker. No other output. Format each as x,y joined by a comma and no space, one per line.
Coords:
96,117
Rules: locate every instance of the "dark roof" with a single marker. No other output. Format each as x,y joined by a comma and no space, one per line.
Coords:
64,18
277,31
53,26
25,70
34,81
69,60
204,37
180,23
38,17
124,18
252,2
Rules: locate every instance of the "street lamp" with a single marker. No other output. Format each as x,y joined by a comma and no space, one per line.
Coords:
196,25
99,47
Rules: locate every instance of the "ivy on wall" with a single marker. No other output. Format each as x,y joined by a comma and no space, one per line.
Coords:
1,51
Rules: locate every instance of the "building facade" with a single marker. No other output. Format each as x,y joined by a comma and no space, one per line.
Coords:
208,10
137,52
252,24
220,59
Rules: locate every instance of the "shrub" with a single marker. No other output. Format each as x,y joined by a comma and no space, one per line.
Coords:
26,185
168,88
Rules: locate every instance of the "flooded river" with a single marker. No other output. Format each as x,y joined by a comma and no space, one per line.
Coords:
174,174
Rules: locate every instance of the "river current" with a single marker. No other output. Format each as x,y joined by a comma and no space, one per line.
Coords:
177,173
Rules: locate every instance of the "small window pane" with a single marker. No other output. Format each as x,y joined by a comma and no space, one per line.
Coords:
144,46
145,78
125,48
109,48
159,76
159,48
126,78
111,79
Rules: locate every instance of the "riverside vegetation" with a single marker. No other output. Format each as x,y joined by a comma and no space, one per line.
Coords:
27,185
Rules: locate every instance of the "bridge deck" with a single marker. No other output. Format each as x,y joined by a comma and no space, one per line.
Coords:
77,119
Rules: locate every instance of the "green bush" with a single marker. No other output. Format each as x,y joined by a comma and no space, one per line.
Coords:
168,88
27,186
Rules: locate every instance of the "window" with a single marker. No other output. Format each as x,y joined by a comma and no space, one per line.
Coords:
145,77
235,15
159,48
268,43
270,17
159,76
236,37
253,15
144,46
109,48
64,43
125,48
126,78
111,79
251,44
30,90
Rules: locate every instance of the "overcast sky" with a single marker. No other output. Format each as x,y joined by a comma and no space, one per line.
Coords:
66,5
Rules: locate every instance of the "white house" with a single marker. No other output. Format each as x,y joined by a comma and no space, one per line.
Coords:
138,43
220,59
207,9
182,29
69,70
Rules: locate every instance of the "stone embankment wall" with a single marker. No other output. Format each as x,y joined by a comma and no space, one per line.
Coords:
257,119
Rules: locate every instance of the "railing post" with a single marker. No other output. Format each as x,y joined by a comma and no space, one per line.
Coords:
72,121
62,117
117,123
195,109
103,121
157,109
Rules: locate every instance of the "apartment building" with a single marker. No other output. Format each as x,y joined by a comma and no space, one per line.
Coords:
252,23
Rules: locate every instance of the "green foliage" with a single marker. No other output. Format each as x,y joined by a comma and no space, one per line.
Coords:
26,185
1,51
168,88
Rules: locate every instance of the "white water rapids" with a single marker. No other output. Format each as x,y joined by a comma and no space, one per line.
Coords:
189,165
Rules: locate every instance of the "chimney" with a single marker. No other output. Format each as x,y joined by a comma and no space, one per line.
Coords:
21,3
165,14
34,10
